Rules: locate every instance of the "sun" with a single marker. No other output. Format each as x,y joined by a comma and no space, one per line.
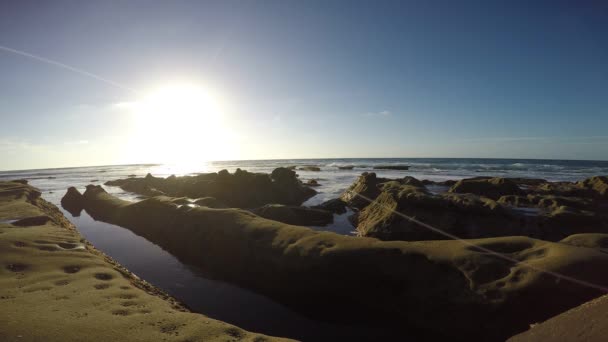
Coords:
177,124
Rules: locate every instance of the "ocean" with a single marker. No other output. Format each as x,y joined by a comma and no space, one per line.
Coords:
243,307
333,181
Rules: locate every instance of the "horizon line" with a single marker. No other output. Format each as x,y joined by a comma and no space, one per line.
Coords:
296,159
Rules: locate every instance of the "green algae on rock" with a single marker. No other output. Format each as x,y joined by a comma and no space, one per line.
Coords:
445,288
474,208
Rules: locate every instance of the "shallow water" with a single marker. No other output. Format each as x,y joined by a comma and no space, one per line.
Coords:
214,298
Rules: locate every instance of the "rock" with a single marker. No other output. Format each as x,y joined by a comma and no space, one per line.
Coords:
347,167
564,221
336,206
492,188
461,215
391,167
283,175
302,216
312,182
363,191
517,200
20,181
72,201
241,189
586,322
563,189
598,241
599,184
384,202
551,201
444,288
209,202
545,201
528,181
408,180
309,168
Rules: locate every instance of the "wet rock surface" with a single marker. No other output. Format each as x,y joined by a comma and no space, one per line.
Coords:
302,216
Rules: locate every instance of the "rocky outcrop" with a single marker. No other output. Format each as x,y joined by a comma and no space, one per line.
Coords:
336,206
493,188
72,201
365,189
446,288
301,216
472,208
388,217
312,182
599,241
598,184
241,189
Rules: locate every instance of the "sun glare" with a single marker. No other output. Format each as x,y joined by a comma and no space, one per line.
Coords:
178,124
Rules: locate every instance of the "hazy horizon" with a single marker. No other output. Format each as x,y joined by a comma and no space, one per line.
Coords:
114,83
312,159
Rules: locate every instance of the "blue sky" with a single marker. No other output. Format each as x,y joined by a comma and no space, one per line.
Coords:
307,79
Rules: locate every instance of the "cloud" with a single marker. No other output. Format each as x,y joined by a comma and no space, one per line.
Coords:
383,113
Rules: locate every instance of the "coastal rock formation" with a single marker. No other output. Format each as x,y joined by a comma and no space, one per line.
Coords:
474,208
587,240
599,184
72,201
312,182
336,206
363,191
493,188
455,289
302,216
241,189
54,286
